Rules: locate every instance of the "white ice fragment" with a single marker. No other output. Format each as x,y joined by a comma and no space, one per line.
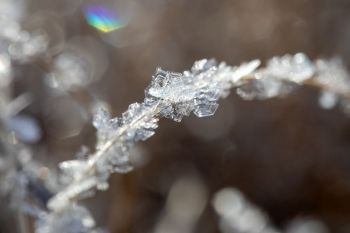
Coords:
295,68
195,90
145,134
173,87
202,65
151,124
132,112
244,70
118,155
101,119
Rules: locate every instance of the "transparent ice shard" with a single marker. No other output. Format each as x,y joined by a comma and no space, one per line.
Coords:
205,103
204,110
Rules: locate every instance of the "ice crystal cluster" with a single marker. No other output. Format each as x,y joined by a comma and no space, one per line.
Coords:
175,95
194,91
170,95
278,77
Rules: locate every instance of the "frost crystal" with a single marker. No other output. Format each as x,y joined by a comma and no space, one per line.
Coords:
197,90
297,68
205,103
171,95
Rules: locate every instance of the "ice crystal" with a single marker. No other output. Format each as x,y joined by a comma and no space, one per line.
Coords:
109,130
196,90
295,68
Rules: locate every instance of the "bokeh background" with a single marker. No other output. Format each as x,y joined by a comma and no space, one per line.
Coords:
288,156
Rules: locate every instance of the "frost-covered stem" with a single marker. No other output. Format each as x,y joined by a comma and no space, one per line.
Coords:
153,111
175,95
71,192
309,82
141,119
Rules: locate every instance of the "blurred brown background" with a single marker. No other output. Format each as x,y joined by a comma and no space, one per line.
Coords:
288,156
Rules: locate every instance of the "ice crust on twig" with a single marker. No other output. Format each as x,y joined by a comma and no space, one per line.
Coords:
175,95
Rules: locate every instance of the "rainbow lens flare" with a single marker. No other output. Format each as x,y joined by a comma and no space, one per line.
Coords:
102,18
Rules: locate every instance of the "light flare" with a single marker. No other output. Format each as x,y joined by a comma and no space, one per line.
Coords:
102,18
